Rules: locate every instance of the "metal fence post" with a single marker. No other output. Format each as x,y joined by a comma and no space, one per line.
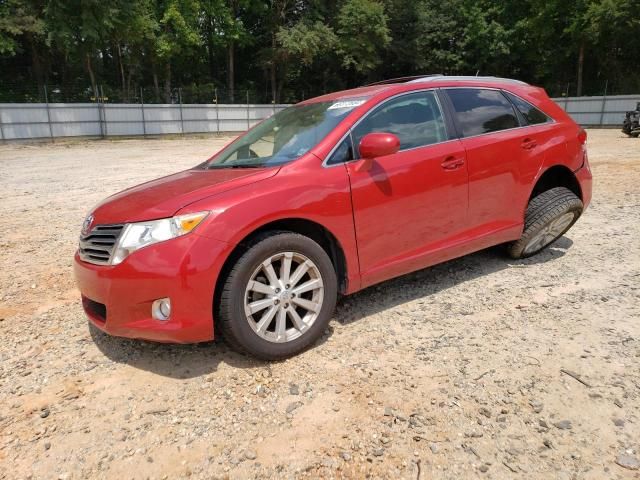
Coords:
215,92
144,125
566,99
604,101
99,100
181,119
46,101
104,113
2,129
248,121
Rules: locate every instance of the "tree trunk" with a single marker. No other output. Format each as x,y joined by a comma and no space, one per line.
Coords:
167,82
92,77
156,87
64,82
128,84
36,62
231,72
274,89
279,94
274,80
580,69
210,47
125,93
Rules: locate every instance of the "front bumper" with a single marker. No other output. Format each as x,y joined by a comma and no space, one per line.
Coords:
117,299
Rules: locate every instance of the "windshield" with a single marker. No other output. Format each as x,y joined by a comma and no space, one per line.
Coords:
285,136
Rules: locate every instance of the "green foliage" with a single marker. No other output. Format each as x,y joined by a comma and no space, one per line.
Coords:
363,34
177,30
290,49
305,41
18,18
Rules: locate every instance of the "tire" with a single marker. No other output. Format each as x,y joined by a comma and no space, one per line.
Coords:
257,334
549,215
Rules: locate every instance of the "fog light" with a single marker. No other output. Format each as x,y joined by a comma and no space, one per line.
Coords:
161,309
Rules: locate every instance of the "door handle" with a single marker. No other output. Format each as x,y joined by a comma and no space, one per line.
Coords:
452,163
529,143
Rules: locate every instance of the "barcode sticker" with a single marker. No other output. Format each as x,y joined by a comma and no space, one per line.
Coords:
346,104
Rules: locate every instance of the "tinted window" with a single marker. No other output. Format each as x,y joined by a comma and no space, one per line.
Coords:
531,114
341,154
482,111
415,118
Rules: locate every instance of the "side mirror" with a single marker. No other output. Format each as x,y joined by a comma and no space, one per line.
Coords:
375,145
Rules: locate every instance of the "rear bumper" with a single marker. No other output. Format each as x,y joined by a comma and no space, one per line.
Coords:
117,299
584,177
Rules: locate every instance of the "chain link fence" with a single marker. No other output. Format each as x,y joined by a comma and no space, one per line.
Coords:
20,121
28,112
50,111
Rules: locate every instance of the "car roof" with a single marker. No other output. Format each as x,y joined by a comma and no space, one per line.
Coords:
414,82
360,92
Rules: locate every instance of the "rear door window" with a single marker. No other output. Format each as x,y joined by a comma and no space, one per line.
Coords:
531,114
415,118
480,111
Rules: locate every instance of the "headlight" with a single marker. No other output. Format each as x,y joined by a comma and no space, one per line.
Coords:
142,234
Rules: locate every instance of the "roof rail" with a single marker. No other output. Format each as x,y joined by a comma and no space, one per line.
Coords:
464,78
411,78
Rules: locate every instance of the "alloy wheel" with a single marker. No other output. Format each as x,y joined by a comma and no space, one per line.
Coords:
283,297
549,232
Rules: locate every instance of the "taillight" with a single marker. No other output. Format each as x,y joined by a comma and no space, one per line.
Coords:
582,136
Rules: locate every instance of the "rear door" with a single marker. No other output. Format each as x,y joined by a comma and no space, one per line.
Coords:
410,202
503,156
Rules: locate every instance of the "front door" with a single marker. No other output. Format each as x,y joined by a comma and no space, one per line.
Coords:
408,204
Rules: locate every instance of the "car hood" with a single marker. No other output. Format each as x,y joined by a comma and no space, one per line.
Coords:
163,197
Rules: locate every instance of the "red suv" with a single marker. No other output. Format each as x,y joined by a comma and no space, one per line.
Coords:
328,197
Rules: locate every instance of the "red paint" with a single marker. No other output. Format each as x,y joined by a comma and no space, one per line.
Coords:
378,145
405,211
405,206
163,197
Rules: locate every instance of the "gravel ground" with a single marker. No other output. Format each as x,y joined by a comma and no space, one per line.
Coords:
482,367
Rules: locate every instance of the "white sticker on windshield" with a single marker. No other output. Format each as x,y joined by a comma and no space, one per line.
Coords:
346,104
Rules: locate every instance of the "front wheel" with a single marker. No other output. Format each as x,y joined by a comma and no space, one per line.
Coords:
278,297
549,215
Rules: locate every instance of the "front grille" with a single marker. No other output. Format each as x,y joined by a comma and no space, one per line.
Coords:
95,309
97,246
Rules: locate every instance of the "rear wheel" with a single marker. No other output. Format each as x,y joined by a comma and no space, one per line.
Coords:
278,297
549,215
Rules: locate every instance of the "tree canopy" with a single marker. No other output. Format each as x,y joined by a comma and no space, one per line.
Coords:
287,50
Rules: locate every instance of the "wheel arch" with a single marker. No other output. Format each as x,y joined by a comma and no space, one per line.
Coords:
556,176
309,228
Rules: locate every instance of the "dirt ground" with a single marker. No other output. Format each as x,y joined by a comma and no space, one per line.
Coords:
482,367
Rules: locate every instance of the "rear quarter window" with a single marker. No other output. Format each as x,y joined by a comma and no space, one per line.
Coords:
531,114
480,111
